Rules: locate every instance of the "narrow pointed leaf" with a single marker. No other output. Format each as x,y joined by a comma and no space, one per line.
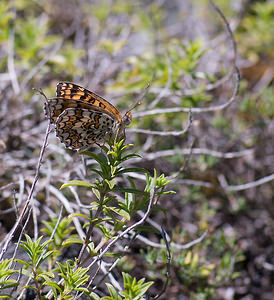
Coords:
129,190
129,156
76,182
120,212
127,170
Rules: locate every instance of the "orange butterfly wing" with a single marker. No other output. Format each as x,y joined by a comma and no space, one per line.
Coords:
73,91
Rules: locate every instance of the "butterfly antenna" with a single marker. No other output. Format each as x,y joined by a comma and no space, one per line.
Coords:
139,99
40,91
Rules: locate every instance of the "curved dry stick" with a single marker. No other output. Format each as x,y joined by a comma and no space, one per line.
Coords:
113,265
190,92
251,184
195,109
227,26
196,151
172,244
160,133
229,188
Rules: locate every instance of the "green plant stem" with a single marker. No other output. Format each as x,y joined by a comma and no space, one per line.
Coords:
89,233
37,284
123,233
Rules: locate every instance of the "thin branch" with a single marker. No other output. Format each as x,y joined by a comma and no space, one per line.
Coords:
26,206
57,223
228,188
196,182
163,133
160,133
196,151
114,264
113,281
231,197
88,235
77,199
191,92
195,109
6,186
249,185
190,244
228,28
21,234
172,244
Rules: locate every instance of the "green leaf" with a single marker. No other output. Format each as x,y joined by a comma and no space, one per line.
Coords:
113,292
96,193
53,284
20,261
100,173
72,240
130,156
167,192
78,215
110,183
78,183
94,296
120,212
129,190
134,289
101,159
127,170
9,284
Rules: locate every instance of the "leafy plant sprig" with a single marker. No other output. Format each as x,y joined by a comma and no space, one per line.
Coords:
108,214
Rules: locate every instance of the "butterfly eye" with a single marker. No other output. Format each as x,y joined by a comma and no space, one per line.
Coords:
127,118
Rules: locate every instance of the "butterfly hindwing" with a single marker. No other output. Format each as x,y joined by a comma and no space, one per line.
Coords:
55,106
79,128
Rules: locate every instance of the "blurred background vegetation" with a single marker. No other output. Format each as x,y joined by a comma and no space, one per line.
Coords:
182,48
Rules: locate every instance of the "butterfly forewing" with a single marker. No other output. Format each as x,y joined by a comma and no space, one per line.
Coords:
73,91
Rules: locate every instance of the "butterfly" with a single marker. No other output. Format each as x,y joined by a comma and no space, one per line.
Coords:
83,118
